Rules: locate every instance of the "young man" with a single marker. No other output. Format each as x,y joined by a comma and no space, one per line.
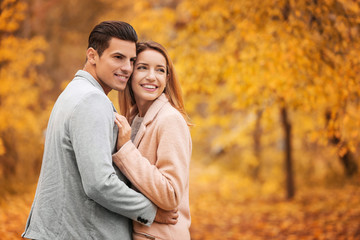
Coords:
80,195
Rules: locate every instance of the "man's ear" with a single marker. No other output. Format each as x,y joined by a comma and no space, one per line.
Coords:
91,55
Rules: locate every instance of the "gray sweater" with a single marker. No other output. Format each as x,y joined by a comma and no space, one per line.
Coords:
80,193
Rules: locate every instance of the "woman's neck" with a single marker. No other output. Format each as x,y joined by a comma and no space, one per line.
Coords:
143,107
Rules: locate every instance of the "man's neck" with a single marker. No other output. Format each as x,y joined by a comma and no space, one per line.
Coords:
90,69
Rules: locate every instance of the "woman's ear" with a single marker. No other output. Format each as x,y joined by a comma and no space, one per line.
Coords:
91,55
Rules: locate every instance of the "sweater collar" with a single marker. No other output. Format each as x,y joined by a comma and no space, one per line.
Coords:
150,116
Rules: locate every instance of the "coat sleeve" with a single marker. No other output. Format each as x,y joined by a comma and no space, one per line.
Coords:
91,131
163,183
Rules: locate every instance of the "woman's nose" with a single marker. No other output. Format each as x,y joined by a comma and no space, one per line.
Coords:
150,75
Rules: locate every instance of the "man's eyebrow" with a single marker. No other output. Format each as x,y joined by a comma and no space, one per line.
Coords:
133,59
119,53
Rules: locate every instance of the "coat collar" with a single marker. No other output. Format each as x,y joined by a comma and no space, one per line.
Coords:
90,78
150,116
87,76
155,108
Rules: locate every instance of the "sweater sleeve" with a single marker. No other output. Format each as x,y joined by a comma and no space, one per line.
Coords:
163,183
91,129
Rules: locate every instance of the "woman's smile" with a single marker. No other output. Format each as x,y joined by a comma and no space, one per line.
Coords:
149,87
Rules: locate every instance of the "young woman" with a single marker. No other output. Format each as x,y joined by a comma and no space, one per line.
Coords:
157,159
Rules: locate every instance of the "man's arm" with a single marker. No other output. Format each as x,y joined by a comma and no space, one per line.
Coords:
91,129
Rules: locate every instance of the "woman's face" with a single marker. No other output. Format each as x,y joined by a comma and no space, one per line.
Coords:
149,76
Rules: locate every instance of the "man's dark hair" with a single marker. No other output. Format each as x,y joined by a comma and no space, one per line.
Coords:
102,33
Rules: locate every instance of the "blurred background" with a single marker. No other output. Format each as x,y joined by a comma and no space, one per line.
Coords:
271,86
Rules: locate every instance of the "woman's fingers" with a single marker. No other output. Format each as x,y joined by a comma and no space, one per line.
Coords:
121,120
176,215
167,217
124,130
117,122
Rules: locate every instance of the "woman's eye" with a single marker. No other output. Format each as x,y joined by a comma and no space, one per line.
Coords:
141,67
161,70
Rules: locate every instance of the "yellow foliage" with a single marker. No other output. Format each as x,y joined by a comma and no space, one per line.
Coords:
234,58
18,79
238,63
11,14
2,148
242,55
21,114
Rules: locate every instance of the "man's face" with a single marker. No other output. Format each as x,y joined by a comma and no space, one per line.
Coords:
115,65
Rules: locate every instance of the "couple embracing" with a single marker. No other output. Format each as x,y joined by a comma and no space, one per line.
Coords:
111,176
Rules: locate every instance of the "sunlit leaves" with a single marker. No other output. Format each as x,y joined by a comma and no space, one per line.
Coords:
11,14
19,91
21,114
240,56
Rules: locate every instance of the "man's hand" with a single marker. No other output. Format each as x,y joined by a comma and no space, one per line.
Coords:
166,217
124,130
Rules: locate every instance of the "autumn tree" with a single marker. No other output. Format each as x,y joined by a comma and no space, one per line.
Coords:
293,59
21,117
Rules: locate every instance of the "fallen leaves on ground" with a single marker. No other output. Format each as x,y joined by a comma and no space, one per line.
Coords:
14,210
227,206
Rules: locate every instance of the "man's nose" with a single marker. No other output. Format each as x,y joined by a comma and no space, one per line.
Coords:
127,67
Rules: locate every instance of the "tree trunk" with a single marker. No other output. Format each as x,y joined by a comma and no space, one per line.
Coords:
290,186
257,145
349,163
9,160
346,158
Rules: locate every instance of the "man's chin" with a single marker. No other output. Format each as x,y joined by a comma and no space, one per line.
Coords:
120,87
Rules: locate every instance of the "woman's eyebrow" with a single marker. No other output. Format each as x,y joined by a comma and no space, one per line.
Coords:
142,63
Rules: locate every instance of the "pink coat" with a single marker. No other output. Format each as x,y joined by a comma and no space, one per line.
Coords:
157,164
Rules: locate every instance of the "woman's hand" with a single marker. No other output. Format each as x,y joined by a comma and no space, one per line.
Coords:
166,217
124,130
